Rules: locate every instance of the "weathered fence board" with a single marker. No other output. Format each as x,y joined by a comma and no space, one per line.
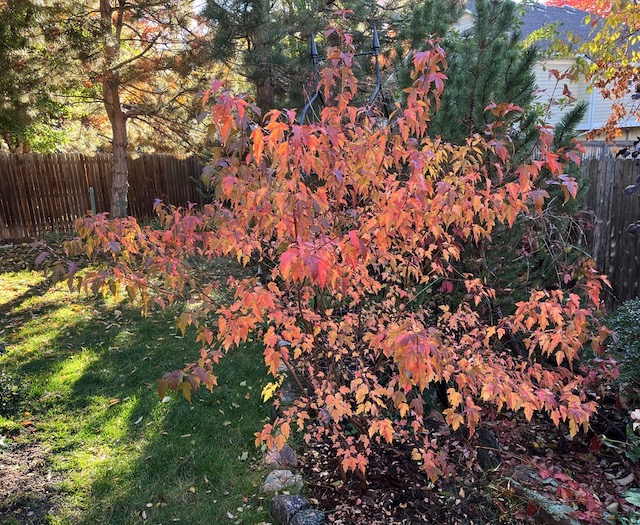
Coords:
45,193
615,250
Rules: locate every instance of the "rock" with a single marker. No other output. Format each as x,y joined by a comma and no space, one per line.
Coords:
436,423
288,393
308,517
283,508
280,480
488,458
550,511
286,457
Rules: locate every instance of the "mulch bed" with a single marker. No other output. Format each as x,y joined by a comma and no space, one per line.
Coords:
398,492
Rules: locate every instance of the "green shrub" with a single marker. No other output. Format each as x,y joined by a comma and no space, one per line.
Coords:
626,324
10,396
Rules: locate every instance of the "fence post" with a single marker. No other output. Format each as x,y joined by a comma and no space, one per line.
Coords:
92,199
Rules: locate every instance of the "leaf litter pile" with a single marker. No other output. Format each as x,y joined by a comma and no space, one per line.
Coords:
529,467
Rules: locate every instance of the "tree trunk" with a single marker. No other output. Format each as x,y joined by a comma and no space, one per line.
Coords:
265,95
120,170
111,86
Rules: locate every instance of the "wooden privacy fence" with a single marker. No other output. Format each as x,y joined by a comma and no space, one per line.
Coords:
616,251
46,193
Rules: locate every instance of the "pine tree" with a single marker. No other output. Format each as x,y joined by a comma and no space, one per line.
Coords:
487,65
29,113
140,58
267,43
541,245
427,19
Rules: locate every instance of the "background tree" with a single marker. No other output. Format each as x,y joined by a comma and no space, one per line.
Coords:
487,64
613,56
139,56
267,42
429,17
597,7
30,115
608,60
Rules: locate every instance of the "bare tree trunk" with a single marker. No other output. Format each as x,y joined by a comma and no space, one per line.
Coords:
120,170
111,97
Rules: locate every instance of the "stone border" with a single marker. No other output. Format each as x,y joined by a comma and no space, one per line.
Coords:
289,508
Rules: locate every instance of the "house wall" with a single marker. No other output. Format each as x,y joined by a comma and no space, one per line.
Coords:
465,22
599,108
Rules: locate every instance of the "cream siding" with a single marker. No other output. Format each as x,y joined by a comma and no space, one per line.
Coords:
550,91
599,107
465,22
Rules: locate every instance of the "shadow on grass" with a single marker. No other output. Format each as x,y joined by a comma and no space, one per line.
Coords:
126,456
32,291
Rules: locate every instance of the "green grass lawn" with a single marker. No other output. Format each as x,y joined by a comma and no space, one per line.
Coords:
116,452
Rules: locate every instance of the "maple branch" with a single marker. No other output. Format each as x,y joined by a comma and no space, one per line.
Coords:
294,375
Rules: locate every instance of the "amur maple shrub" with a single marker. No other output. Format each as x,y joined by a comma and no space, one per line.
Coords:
360,222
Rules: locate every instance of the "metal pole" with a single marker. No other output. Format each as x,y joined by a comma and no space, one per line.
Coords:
316,79
92,199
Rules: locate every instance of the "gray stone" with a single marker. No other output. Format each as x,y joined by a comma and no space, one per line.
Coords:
284,507
550,510
280,480
308,517
285,457
288,393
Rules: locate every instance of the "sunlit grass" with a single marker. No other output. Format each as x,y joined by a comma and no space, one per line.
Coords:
89,369
15,284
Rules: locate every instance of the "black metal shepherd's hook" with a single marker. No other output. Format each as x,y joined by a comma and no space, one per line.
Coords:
315,58
375,52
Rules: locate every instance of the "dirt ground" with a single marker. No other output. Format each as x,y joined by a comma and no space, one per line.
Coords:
534,457
27,487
